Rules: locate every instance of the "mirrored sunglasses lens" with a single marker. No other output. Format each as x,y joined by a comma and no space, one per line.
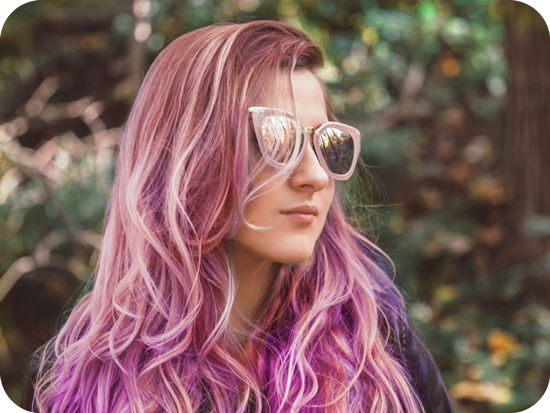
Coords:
337,147
279,137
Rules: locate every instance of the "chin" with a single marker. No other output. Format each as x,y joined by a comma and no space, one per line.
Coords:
296,257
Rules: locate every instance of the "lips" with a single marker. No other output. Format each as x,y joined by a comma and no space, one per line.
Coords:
304,214
303,209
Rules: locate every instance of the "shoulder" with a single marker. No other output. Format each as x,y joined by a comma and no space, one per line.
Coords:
405,342
421,366
40,363
27,396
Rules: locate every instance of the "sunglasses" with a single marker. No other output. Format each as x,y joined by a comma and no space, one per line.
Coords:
336,145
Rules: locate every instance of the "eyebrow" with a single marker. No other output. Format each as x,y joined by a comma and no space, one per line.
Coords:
286,112
316,127
311,127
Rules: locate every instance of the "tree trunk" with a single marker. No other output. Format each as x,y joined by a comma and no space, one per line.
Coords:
527,128
137,53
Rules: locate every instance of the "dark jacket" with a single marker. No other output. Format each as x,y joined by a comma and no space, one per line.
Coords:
409,348
424,372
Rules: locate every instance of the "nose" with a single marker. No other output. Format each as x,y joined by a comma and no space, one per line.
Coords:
309,175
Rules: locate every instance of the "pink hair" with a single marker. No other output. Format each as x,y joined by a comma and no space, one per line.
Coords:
152,335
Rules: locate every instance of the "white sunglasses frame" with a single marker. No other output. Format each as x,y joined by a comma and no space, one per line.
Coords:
259,112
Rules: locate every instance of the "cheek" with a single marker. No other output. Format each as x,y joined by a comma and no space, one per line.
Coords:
262,211
328,195
325,202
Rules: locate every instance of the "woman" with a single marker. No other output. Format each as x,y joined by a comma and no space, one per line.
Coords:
229,278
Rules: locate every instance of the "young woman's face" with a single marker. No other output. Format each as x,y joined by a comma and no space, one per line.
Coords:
295,209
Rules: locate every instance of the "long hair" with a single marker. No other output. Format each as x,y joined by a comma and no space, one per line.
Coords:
152,334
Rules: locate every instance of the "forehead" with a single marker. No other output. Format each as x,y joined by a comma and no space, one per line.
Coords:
308,94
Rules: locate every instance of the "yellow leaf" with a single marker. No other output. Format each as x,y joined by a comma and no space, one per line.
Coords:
488,189
501,340
445,293
481,392
369,36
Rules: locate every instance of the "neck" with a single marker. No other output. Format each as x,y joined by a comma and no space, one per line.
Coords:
254,277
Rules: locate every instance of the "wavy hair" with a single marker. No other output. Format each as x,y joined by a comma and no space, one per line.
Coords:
152,334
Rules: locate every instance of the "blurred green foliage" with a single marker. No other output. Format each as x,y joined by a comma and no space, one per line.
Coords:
425,81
